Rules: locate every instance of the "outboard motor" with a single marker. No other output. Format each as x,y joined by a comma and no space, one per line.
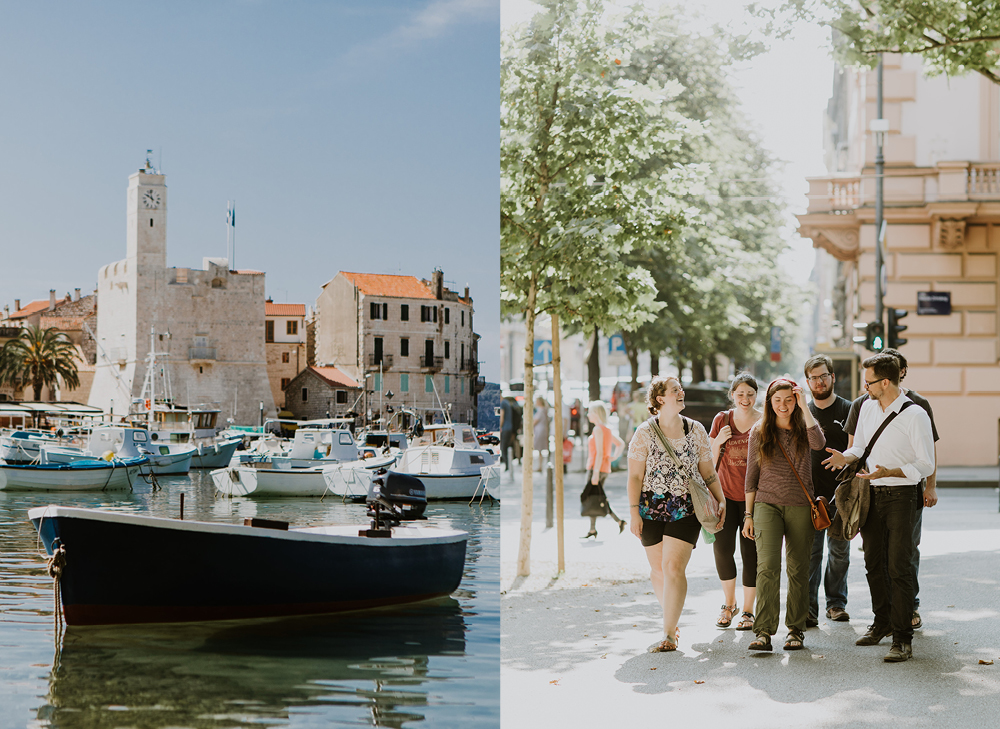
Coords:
392,498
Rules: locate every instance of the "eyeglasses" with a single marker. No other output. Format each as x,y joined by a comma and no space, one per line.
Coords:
869,384
821,378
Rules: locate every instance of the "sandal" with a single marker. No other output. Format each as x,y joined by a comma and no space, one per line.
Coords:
725,620
916,622
761,643
793,641
666,645
746,621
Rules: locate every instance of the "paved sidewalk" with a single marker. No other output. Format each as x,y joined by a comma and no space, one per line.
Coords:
574,646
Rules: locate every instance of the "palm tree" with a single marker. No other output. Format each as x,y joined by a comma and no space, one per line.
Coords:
40,357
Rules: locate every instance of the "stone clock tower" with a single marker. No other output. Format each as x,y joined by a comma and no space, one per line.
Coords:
146,219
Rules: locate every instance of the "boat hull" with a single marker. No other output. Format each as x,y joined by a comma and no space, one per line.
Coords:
442,487
215,456
192,571
78,476
249,481
167,463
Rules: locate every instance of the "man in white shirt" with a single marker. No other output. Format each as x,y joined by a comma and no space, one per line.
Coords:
902,455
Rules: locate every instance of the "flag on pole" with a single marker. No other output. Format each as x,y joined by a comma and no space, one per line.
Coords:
231,215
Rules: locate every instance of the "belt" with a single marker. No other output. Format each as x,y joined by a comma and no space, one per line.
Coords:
897,486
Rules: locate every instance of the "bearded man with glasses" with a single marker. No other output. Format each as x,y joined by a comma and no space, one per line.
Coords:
830,410
899,459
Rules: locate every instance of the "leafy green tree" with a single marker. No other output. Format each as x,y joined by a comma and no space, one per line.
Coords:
39,357
954,37
580,190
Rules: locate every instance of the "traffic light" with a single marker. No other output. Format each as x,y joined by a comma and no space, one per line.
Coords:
893,339
875,336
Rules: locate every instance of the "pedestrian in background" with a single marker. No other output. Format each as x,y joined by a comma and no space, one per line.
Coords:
778,509
661,512
928,485
603,447
730,436
540,423
901,456
830,410
506,432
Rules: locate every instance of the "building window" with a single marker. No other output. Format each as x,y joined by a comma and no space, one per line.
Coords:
404,347
462,358
463,317
404,312
292,327
305,394
447,384
428,383
284,382
378,351
374,310
377,382
425,313
404,383
435,310
447,315
284,358
269,331
447,348
341,397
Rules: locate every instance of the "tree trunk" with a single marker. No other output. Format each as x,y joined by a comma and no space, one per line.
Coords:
697,370
594,367
654,364
527,460
557,457
713,367
633,360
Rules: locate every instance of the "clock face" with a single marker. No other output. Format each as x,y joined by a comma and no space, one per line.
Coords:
151,199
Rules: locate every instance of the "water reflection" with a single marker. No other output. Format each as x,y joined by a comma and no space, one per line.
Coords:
253,673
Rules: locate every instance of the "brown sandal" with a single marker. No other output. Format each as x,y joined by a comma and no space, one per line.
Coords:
761,643
666,645
746,621
726,618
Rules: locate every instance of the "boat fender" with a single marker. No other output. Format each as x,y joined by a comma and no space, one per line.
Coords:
108,456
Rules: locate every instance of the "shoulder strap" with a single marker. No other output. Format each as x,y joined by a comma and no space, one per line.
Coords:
666,444
885,424
797,477
687,425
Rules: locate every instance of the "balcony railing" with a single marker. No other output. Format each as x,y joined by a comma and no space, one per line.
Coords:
983,181
468,365
385,360
433,363
201,353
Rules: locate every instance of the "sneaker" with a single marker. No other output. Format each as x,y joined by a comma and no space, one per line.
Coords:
873,636
898,653
838,614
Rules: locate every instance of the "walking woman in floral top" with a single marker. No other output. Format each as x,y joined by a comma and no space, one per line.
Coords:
661,513
778,509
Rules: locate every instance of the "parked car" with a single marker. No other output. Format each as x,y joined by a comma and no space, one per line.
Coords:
702,402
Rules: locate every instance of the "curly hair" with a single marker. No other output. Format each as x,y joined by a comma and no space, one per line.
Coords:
658,386
768,425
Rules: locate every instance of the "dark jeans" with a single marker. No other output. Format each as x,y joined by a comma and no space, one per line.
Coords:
506,438
725,546
916,551
834,578
888,541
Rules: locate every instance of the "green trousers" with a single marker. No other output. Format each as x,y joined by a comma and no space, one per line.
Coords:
772,524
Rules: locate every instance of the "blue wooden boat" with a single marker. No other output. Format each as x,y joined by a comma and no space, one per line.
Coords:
128,568
84,475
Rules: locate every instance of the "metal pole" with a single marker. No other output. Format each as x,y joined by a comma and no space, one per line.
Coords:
548,495
879,169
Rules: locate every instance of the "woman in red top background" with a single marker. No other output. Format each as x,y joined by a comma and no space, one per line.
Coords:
604,442
730,435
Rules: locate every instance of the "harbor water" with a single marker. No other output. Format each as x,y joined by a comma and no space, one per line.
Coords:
433,664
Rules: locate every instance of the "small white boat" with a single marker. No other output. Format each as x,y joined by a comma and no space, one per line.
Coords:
24,446
449,462
125,443
262,479
86,475
352,479
216,454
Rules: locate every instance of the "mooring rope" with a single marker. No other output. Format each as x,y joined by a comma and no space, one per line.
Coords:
55,566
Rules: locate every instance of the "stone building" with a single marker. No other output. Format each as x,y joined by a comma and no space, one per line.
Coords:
322,392
76,317
207,324
942,209
402,335
285,345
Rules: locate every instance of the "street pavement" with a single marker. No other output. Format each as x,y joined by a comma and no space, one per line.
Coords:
574,646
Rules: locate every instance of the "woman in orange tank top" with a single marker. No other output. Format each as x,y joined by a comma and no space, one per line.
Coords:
603,447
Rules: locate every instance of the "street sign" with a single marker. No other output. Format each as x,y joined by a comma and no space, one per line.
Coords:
543,351
617,355
775,344
933,303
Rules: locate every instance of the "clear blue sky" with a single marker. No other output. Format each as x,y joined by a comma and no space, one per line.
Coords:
358,135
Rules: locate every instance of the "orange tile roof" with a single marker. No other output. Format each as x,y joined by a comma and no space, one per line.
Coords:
384,284
335,376
33,308
272,309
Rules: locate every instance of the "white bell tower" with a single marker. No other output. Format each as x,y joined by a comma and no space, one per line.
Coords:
146,217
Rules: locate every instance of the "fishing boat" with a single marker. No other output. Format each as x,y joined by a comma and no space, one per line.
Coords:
130,568
278,478
123,443
84,475
24,446
448,460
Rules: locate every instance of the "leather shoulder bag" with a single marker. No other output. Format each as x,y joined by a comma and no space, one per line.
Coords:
722,448
820,514
706,508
